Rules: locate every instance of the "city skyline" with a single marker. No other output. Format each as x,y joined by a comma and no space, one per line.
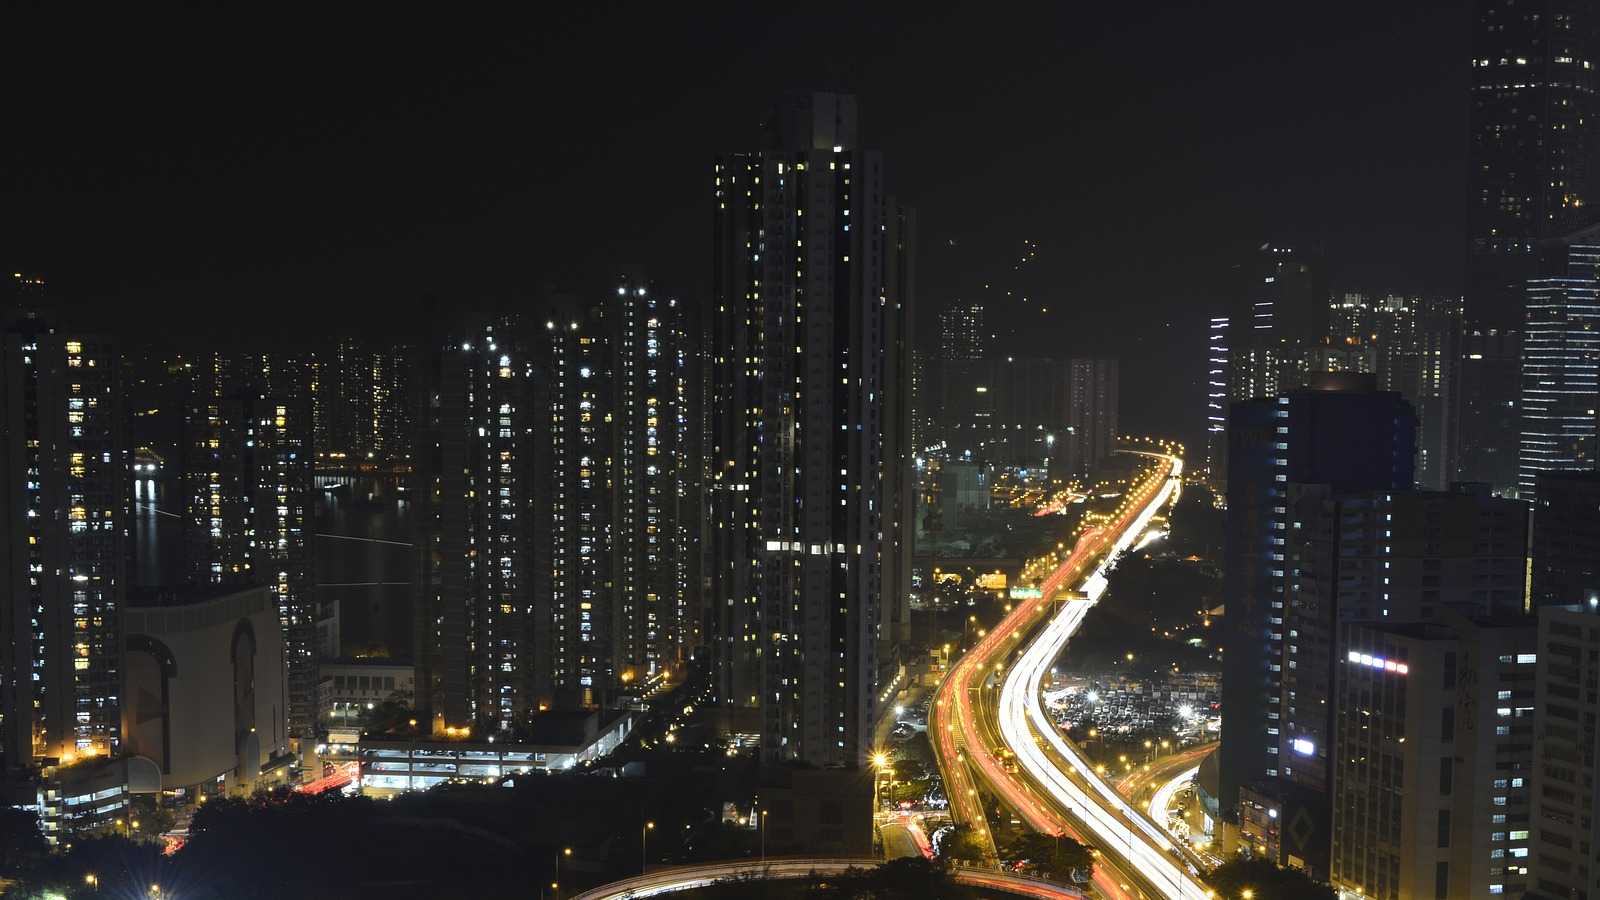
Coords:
925,453
1388,211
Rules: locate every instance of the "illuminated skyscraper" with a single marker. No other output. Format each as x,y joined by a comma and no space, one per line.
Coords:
799,507
1531,162
1561,363
61,543
1532,152
1217,397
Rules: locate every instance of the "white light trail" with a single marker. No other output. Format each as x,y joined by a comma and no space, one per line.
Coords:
1162,801
1120,828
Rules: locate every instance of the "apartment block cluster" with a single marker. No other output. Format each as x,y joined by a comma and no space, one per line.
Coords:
607,492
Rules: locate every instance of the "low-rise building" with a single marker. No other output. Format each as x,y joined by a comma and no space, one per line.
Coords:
1434,750
348,688
556,741
206,696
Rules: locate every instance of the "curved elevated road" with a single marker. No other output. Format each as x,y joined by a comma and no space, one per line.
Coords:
684,878
1038,773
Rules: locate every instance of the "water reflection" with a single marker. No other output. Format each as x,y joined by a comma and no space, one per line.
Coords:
364,585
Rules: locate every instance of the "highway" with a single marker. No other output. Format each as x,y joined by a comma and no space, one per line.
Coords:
1038,773
1135,783
684,878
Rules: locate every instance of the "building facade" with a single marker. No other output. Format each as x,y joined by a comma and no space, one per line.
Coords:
476,521
246,491
1561,363
1565,550
1564,777
1341,437
1432,781
362,402
617,377
1532,157
961,332
207,690
1091,433
800,350
65,463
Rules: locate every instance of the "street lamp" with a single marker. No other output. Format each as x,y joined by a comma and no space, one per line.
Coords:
763,814
644,837
93,881
556,885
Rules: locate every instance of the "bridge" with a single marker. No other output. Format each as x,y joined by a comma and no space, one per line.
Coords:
684,878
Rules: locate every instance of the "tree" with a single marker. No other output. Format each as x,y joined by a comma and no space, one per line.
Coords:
961,844
913,878
916,755
121,867
1266,881
21,842
1051,856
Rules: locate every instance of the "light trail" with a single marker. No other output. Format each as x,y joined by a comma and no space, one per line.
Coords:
1117,826
364,540
964,752
1162,801
685,878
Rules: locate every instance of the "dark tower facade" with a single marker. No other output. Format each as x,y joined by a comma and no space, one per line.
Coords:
1531,176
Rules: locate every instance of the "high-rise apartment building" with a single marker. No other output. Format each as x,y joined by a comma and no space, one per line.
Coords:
921,416
1561,363
1432,778
900,432
65,465
476,520
362,401
1301,449
557,509
961,332
800,528
1091,433
246,463
621,451
1418,355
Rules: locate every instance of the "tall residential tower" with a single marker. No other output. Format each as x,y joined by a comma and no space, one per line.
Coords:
803,352
63,460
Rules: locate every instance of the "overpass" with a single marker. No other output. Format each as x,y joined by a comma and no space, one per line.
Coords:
684,878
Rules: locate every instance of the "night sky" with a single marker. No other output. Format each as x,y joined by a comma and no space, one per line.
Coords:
290,174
